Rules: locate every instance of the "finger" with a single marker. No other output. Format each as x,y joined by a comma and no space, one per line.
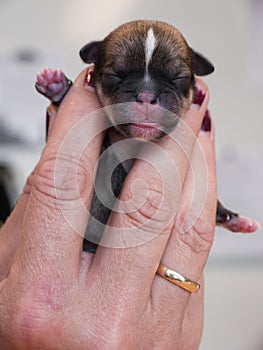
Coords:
56,214
50,118
193,232
150,199
10,233
193,321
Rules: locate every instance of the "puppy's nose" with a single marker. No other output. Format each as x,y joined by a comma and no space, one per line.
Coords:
146,97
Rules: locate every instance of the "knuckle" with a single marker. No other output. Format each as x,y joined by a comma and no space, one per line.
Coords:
44,179
199,237
150,205
153,202
61,179
35,312
194,233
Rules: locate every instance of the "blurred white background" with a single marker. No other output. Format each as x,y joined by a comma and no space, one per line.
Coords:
36,34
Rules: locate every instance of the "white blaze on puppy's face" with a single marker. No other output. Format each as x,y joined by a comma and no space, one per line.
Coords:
150,44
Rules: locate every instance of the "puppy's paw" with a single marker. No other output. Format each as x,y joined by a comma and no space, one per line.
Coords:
53,84
241,224
233,221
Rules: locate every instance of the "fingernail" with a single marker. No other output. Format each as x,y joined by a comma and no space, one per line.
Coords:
197,102
206,123
198,97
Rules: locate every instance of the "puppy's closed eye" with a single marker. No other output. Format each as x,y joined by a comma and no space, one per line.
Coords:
183,83
111,79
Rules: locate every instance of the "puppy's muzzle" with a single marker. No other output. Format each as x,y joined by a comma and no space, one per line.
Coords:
146,97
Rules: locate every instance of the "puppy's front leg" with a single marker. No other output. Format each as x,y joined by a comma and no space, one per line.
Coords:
53,84
233,221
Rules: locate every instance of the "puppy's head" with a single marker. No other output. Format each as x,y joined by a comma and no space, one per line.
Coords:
145,70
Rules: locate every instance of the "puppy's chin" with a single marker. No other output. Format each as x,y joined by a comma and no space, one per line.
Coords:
141,121
142,131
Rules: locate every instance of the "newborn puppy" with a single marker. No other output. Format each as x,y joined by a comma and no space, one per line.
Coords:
148,68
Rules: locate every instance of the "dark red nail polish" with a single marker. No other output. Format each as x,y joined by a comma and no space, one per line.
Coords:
198,97
206,124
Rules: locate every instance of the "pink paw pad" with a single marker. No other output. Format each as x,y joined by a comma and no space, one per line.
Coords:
242,224
53,84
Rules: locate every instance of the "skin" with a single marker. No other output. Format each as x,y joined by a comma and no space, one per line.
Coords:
55,296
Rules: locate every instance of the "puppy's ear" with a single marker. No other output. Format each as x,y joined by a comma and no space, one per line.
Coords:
201,65
90,53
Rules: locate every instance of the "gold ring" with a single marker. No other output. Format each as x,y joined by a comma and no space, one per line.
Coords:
177,279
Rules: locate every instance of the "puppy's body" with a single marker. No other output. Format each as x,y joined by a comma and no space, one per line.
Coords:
144,70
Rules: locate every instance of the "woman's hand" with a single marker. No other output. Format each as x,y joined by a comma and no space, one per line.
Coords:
55,296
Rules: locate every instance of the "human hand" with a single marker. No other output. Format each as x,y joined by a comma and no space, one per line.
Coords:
55,296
